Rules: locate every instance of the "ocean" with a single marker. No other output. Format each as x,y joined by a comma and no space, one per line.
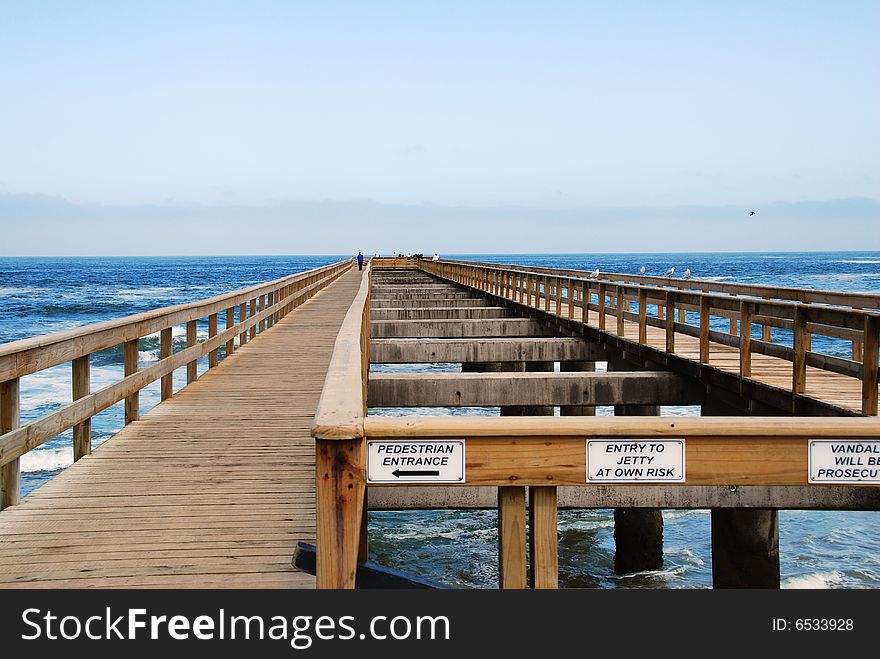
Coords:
818,549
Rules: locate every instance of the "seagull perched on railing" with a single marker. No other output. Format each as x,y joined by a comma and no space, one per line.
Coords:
642,270
669,272
594,274
687,273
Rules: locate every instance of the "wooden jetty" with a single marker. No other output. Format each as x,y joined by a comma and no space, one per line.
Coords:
274,445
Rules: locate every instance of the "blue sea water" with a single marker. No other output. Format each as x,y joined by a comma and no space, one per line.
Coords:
818,549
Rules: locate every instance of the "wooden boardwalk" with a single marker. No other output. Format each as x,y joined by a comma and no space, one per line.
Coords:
211,489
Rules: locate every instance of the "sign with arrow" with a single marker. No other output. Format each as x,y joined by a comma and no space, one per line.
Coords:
415,461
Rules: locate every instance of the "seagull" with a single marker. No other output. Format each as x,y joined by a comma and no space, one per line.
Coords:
669,272
642,270
751,213
687,273
595,274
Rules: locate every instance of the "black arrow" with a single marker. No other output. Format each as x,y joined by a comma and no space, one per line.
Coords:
398,473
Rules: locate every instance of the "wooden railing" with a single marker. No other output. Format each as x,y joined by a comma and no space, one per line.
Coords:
259,308
543,453
340,449
655,306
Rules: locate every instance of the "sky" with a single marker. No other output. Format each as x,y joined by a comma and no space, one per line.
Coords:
167,127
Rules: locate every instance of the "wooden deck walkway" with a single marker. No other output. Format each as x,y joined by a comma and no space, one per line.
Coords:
210,489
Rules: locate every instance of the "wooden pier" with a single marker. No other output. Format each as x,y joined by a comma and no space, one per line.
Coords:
216,485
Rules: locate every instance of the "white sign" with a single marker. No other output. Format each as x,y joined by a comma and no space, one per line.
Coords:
419,461
635,461
844,461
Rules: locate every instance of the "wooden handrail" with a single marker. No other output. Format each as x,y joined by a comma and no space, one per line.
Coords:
540,286
31,355
789,293
19,358
343,403
622,426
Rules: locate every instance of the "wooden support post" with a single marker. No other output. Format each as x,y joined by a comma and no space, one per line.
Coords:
745,339
704,329
869,365
733,321
242,316
638,532
214,355
270,300
766,334
586,294
602,296
621,308
558,289
799,365
230,323
130,366
340,501
670,321
192,372
543,543
856,347
547,294
166,347
643,316
81,381
10,473
512,537
261,305
253,307
745,548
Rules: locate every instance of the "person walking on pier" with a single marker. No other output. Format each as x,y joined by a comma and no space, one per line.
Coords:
360,261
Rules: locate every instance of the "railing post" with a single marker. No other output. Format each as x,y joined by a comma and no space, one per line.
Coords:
242,316
558,290
745,339
546,293
733,321
214,355
261,306
856,347
166,346
543,546
572,294
341,495
130,366
586,294
512,537
766,334
643,316
81,381
621,309
704,329
799,365
602,296
192,367
270,300
670,321
230,323
253,306
10,473
869,365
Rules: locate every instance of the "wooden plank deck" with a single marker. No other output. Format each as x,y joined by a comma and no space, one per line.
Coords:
210,489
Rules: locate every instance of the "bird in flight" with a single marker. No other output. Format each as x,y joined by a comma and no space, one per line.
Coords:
687,273
751,213
669,272
642,270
